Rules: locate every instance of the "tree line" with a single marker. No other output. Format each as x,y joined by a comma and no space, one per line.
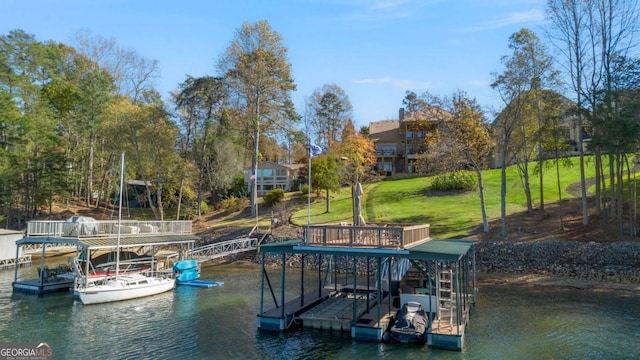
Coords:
66,110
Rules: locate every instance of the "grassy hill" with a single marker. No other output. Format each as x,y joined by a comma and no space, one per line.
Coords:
411,201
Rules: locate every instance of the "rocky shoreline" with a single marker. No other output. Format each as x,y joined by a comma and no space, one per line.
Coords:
559,263
615,262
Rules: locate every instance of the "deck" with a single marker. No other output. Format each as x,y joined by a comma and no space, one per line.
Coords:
333,310
381,237
281,317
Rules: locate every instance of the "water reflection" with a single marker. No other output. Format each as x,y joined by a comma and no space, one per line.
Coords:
221,322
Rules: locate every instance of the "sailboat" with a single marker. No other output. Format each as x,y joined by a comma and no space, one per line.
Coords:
124,287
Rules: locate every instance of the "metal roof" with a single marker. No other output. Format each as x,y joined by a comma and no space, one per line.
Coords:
450,249
103,242
280,247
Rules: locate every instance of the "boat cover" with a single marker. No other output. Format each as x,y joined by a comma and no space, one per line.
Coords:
411,324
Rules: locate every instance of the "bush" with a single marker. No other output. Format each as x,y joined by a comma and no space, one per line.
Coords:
273,197
233,204
204,207
457,180
305,189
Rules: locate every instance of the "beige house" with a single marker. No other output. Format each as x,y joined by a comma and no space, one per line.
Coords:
274,176
569,126
398,142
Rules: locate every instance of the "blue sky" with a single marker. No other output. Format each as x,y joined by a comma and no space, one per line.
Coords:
374,50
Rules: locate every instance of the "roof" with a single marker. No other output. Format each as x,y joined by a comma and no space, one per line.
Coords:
93,243
450,249
445,250
271,165
428,113
10,232
281,247
385,130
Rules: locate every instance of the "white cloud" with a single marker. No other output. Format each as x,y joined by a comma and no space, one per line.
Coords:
382,80
399,83
532,16
388,4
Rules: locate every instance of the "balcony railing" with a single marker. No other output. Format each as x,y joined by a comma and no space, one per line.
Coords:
97,228
385,153
366,236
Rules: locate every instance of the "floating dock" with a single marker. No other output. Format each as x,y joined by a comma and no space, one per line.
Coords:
201,283
49,281
385,267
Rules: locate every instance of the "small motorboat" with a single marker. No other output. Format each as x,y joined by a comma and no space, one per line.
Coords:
411,324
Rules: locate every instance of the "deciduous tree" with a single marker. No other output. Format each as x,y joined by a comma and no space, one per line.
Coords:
257,70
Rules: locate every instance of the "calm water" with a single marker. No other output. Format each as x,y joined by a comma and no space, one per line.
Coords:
220,323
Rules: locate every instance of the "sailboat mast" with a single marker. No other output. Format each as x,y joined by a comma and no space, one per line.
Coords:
119,214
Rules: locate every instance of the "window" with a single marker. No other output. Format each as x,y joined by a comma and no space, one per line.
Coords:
409,134
281,172
265,173
420,134
385,149
411,167
409,149
387,166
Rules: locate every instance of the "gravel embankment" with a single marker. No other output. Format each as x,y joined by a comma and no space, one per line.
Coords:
615,262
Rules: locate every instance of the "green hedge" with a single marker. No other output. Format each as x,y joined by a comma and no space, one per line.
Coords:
457,180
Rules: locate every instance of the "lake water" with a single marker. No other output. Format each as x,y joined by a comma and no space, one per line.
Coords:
221,323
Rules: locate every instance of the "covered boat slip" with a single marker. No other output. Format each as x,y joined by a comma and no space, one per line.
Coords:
97,236
438,273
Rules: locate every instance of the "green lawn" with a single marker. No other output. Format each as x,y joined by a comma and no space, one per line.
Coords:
410,201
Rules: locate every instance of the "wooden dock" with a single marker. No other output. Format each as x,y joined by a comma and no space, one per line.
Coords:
336,311
333,310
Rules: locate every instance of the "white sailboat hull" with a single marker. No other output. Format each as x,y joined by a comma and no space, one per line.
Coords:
125,288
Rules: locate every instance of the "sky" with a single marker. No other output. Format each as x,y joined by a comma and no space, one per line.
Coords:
375,50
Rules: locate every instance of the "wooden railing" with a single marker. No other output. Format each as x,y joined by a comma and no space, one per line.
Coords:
366,236
107,228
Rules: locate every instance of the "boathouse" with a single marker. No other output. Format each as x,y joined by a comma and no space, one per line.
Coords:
84,238
365,275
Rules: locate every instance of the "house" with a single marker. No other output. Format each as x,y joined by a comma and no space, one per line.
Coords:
398,142
274,176
569,127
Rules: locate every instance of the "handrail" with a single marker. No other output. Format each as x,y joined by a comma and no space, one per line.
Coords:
366,236
107,227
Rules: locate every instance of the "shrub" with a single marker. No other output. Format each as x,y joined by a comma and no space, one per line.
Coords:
204,206
305,189
273,197
457,180
233,204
